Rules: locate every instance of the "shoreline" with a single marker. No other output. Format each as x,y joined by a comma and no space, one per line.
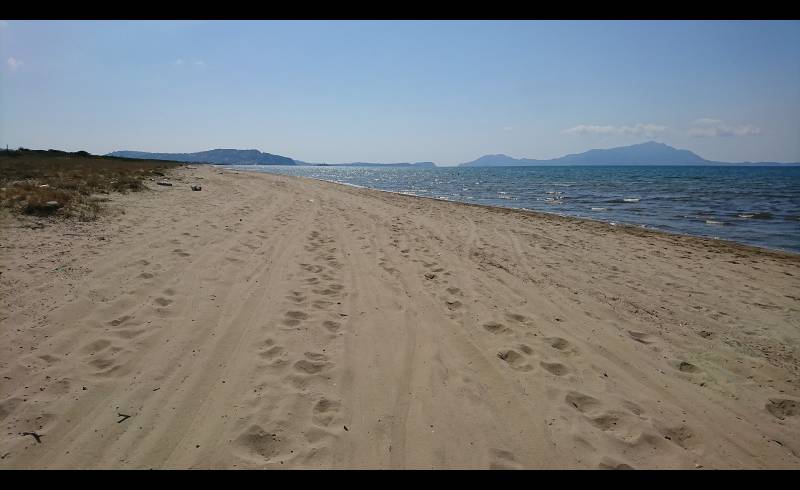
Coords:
624,226
276,322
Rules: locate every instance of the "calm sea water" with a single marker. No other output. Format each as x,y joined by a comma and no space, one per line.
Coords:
754,205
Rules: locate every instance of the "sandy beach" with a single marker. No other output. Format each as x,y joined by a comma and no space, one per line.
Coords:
277,322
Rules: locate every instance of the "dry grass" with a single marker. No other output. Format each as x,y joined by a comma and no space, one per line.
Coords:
56,183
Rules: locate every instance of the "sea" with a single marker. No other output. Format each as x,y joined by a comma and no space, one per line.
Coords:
753,205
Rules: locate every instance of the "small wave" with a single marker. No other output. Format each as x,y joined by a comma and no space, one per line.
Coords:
756,215
715,222
622,201
598,209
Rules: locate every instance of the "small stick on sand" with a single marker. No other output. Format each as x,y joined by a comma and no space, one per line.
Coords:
36,436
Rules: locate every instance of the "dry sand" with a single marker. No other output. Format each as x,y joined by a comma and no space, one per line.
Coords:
277,322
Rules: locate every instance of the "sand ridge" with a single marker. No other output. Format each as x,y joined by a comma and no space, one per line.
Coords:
277,322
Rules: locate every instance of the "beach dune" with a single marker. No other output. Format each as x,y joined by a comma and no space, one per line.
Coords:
270,321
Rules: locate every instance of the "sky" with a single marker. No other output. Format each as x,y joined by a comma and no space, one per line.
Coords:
402,91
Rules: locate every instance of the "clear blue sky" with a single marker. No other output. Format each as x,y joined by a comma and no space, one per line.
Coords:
392,91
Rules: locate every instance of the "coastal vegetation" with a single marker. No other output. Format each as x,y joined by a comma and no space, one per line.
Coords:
69,185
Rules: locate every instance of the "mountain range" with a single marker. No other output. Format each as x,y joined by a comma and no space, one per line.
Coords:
649,153
218,156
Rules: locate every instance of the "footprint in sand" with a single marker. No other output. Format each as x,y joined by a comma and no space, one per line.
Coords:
309,367
325,411
582,402
500,459
453,305
515,360
271,352
612,464
105,366
633,407
129,333
558,343
681,435
554,368
332,326
49,359
685,367
297,297
315,356
644,338
119,321
608,421
516,317
495,327
163,301
266,445
783,407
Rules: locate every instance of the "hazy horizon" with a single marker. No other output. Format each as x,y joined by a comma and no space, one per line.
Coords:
642,143
403,91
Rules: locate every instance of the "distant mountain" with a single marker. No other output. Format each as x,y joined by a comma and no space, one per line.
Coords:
500,160
367,164
650,153
218,156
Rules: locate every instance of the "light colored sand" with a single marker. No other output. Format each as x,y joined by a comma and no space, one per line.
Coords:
248,324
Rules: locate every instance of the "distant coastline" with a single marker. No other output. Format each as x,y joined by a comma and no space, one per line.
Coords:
650,153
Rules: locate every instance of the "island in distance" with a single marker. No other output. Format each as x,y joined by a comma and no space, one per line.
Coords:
649,153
